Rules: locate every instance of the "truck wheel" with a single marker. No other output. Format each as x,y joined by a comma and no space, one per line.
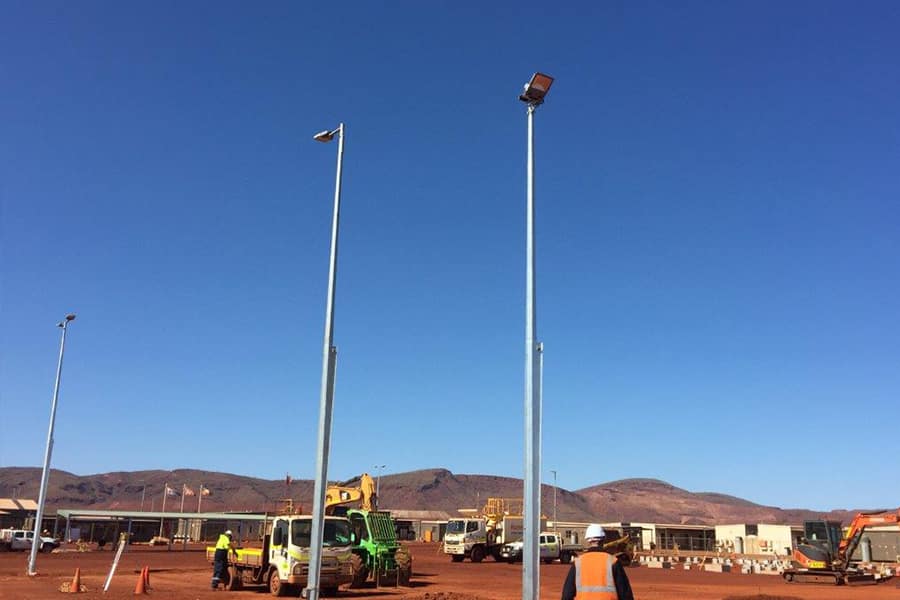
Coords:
457,557
275,586
477,554
234,579
358,570
46,547
565,558
404,565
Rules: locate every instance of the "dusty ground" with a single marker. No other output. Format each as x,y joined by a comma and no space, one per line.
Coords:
185,574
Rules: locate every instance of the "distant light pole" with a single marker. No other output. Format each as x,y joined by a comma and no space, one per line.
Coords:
554,499
378,469
45,475
329,363
533,96
143,489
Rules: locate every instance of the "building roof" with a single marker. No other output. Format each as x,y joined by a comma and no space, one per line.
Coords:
419,515
17,504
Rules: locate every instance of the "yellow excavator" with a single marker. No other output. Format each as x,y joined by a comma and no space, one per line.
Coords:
336,495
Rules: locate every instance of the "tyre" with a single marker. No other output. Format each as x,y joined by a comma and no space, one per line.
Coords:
46,547
457,557
404,565
234,582
330,591
789,577
276,587
359,570
477,554
565,558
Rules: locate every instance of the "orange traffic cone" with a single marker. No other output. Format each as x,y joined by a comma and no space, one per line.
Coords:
146,573
75,586
141,586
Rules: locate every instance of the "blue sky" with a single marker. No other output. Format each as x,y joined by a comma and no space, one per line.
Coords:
717,189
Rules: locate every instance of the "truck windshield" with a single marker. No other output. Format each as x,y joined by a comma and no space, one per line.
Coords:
456,527
337,533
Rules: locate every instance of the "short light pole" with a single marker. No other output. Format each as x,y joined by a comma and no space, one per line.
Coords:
45,475
326,400
554,500
378,469
533,96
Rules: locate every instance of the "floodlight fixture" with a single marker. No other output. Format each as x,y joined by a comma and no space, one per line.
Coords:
536,89
325,136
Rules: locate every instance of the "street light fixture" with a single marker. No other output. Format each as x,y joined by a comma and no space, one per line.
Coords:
329,363
533,96
536,89
45,474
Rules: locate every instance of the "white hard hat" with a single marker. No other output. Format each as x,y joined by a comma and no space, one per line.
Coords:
594,532
228,532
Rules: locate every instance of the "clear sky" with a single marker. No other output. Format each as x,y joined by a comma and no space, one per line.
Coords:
717,189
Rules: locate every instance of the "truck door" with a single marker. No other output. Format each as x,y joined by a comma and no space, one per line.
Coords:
278,550
549,546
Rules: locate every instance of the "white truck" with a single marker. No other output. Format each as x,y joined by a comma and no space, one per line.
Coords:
476,538
282,564
551,548
20,539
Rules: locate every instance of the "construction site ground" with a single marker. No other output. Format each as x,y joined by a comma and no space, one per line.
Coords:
184,573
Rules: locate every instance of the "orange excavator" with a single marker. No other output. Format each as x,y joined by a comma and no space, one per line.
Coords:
823,555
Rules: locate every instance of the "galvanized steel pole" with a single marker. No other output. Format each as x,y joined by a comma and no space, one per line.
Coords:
326,403
531,583
45,474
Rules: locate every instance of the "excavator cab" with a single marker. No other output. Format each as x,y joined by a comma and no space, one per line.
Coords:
819,546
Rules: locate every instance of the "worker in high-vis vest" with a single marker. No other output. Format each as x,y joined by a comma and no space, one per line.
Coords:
220,558
596,575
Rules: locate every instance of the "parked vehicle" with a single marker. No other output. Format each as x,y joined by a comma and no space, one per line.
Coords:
477,537
282,563
824,554
377,554
20,539
551,548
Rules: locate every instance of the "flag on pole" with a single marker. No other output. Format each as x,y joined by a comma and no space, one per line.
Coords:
170,491
205,491
187,491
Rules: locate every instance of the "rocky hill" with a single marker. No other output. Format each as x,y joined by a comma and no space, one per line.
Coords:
647,500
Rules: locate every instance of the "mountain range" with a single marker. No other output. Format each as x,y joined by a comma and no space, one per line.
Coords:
626,500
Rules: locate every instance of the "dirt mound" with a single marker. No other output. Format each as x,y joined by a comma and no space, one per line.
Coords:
443,596
761,597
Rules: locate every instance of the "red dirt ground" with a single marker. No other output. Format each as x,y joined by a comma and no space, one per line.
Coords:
186,574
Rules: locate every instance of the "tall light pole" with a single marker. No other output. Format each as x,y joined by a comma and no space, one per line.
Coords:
533,96
554,499
143,489
329,363
45,475
378,469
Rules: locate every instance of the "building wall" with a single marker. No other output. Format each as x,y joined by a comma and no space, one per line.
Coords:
885,543
774,539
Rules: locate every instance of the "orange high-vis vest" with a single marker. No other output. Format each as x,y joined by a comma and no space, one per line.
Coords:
594,577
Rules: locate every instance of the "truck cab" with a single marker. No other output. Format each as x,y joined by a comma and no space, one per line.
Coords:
465,535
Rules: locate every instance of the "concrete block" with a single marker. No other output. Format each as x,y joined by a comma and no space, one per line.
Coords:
687,567
714,567
654,565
